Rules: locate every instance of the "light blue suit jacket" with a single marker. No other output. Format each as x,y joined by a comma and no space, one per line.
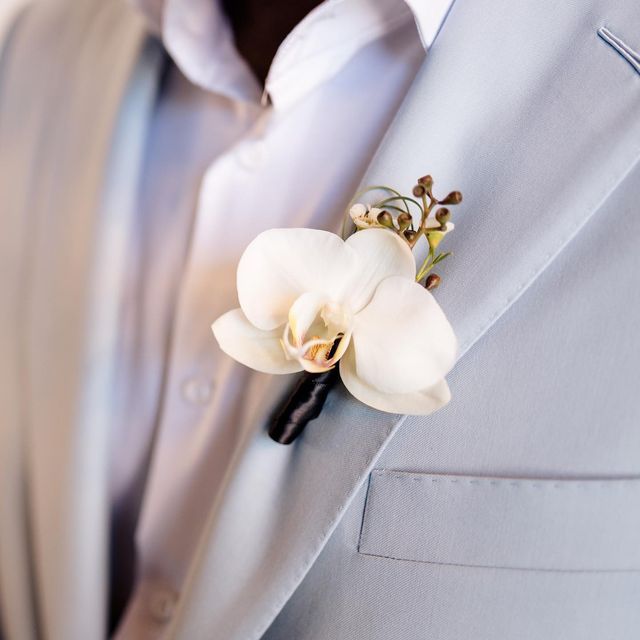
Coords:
512,513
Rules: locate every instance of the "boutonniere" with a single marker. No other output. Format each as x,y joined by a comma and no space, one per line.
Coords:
358,309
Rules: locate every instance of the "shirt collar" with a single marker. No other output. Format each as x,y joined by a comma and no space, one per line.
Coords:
198,37
429,16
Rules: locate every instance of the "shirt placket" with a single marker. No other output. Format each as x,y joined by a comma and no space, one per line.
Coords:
202,399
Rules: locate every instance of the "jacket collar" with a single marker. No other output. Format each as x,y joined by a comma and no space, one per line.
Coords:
505,111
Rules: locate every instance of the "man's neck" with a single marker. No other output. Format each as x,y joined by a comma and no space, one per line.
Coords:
260,26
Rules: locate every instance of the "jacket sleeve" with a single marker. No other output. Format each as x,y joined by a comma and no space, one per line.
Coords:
10,10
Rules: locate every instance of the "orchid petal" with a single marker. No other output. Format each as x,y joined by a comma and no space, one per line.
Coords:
381,254
402,339
254,348
419,403
303,313
281,264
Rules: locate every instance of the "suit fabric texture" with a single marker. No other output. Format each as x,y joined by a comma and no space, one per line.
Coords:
511,513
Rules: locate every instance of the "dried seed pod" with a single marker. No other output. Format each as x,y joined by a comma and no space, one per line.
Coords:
404,221
443,215
432,281
455,197
385,219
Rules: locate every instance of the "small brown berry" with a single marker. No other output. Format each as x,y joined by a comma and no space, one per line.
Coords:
432,281
443,215
404,221
455,197
385,219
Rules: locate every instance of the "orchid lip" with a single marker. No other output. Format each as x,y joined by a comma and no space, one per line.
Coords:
318,332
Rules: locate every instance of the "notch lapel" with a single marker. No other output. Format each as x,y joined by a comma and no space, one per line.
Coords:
521,107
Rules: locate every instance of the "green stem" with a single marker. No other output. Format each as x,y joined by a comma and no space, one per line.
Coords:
425,267
404,199
391,206
377,187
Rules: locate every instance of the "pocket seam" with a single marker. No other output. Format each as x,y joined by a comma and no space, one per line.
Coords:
484,567
586,485
466,483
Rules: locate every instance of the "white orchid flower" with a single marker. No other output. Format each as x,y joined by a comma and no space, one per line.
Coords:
365,216
310,301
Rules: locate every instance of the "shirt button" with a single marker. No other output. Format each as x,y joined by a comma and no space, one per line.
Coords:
162,604
197,390
251,155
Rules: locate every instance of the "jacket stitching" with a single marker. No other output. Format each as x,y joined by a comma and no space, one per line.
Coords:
616,43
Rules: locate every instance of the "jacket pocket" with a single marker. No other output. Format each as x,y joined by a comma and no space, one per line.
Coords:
526,524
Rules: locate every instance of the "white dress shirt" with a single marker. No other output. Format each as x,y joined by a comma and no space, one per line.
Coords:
223,163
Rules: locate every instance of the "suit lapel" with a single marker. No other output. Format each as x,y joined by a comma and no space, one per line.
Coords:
522,108
74,249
